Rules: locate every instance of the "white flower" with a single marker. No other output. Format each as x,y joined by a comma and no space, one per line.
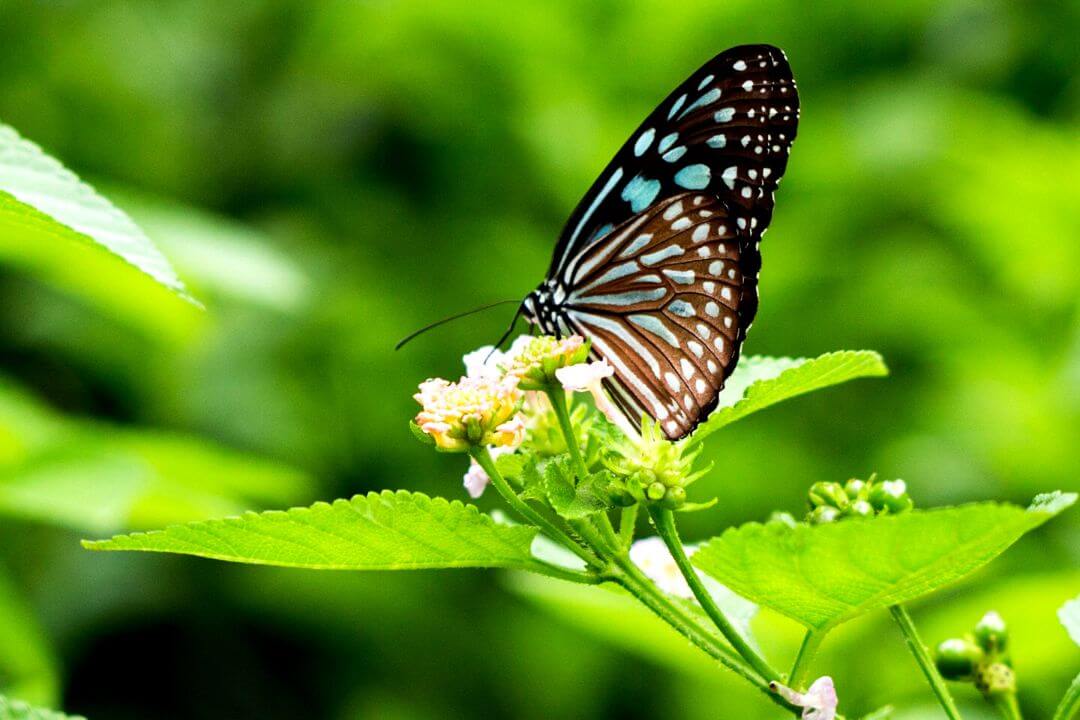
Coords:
654,559
818,703
489,362
589,377
475,479
584,377
484,362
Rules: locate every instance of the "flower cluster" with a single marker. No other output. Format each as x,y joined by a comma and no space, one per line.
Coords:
475,411
537,362
980,657
497,403
831,501
656,469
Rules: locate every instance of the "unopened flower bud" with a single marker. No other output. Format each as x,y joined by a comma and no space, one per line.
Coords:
958,658
854,488
674,498
860,508
781,518
890,496
824,514
995,679
992,633
656,491
828,494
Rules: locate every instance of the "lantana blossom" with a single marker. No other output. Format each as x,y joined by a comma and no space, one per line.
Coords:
471,412
589,377
537,361
818,703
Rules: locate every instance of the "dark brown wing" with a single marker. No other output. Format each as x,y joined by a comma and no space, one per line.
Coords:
665,300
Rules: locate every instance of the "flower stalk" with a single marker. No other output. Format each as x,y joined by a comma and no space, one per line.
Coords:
801,669
483,457
664,520
926,663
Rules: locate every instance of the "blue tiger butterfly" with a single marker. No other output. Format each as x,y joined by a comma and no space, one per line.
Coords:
658,264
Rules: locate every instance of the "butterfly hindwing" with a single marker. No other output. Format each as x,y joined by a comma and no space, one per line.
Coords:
727,130
662,297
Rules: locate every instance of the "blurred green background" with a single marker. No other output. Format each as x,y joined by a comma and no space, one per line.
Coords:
327,176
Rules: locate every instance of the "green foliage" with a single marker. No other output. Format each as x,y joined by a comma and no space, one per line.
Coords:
824,575
18,710
27,666
379,531
612,615
59,229
97,477
759,382
554,484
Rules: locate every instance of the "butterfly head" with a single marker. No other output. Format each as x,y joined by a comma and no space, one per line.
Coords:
542,306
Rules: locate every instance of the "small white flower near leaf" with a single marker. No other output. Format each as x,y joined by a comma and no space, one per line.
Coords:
589,377
484,362
818,703
475,479
654,559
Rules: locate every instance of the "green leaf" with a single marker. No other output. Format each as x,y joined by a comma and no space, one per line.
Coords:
1069,614
33,185
824,575
216,256
759,382
379,531
57,228
18,710
554,486
27,665
100,478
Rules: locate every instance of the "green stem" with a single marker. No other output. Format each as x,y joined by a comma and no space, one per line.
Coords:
561,573
926,663
627,523
635,581
483,457
665,525
562,412
1070,703
1007,706
811,643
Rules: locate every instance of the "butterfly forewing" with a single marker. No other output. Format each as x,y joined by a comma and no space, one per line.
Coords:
658,265
662,297
727,130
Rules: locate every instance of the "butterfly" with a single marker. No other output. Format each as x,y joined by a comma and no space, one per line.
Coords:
658,264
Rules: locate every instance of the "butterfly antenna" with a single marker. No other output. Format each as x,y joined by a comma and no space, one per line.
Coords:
445,320
505,335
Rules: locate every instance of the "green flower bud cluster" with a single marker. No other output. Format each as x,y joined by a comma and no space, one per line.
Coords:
653,469
980,657
831,501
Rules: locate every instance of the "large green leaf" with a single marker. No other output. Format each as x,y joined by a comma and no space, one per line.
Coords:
60,230
217,256
27,665
379,531
823,575
100,478
759,382
18,710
